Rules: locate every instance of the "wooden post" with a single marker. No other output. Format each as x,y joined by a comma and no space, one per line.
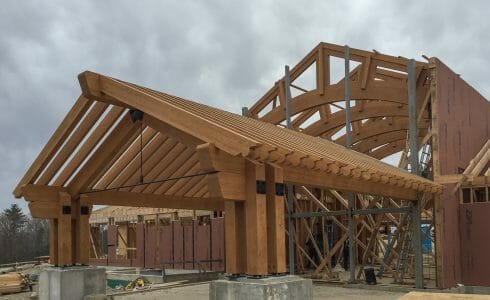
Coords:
276,241
65,249
255,219
53,241
81,210
235,242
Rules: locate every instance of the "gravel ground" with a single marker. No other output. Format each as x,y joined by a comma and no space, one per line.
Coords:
201,292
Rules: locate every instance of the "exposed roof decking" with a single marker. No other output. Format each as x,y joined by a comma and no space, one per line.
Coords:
109,154
283,145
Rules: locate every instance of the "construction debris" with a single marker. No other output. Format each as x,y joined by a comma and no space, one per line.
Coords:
14,283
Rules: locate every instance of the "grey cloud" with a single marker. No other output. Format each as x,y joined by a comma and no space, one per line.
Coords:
223,53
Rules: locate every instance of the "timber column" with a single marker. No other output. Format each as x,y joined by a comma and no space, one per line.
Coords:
69,239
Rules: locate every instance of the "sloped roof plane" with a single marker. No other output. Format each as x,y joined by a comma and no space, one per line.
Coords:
98,147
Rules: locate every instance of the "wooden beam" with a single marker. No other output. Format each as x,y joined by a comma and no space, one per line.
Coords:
44,210
228,183
73,142
42,193
59,136
88,145
176,134
320,71
150,102
255,222
117,198
276,240
448,179
311,99
302,176
103,155
476,161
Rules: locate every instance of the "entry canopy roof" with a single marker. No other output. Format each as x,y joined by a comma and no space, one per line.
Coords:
98,147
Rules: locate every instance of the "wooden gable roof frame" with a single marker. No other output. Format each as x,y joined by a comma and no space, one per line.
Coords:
191,156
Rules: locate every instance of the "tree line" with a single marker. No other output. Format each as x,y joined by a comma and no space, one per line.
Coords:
22,238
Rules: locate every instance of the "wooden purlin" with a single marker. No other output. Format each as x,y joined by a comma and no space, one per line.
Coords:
59,136
133,153
156,149
112,146
82,153
76,137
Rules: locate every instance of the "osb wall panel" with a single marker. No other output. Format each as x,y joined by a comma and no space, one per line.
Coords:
165,246
463,128
202,246
475,243
217,244
176,245
189,245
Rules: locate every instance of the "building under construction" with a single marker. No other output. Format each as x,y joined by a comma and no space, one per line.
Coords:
294,185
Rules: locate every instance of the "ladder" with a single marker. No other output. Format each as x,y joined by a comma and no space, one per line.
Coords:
424,160
401,241
404,249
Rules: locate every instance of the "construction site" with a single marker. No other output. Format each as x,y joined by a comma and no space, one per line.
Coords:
356,171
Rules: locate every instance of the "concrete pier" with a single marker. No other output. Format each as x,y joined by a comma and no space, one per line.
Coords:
74,283
270,288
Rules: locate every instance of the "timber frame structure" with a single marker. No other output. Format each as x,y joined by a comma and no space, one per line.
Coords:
378,124
127,145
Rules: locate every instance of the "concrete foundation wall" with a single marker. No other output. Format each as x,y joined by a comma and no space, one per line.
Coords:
463,128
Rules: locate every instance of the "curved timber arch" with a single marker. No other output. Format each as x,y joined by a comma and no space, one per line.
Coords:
367,145
337,119
334,94
378,127
388,150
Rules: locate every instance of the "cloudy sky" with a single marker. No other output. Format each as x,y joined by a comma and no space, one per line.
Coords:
223,53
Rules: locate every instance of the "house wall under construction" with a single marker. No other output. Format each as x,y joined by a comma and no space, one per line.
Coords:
461,117
157,238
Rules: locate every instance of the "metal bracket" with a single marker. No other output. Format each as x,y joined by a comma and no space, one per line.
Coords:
136,115
260,187
279,189
84,210
66,209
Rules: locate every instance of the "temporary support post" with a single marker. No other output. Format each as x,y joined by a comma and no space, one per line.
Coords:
348,144
414,166
287,86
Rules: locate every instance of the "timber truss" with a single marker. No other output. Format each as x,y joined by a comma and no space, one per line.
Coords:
378,88
379,118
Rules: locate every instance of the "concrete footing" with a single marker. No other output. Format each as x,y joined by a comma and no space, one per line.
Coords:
72,283
270,288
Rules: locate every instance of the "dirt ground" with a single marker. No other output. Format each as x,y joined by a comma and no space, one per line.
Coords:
201,292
